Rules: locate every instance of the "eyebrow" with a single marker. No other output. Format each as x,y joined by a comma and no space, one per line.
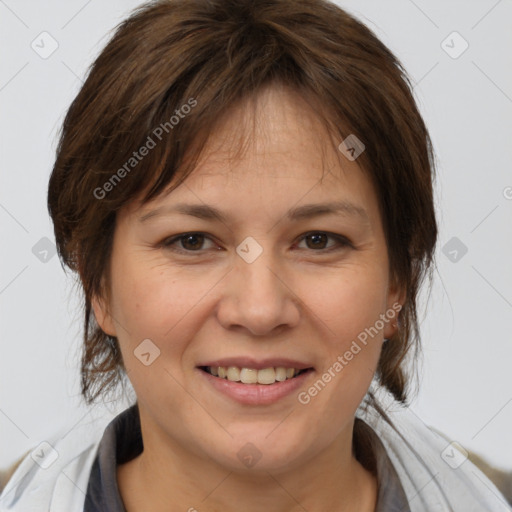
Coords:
304,212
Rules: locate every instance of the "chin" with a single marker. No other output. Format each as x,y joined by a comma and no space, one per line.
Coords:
265,451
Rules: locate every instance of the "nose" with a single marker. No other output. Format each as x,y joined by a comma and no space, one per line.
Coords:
257,298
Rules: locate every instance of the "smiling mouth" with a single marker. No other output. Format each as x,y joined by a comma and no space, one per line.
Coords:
253,376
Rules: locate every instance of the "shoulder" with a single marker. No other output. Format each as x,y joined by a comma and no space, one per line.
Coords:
434,471
55,474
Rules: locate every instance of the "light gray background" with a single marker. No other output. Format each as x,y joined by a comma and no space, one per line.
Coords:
466,384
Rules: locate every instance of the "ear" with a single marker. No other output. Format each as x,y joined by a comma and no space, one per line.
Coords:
102,315
395,301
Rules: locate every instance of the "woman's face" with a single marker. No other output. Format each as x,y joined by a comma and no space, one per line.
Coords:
273,284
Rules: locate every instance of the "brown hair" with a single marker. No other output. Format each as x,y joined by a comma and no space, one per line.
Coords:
208,55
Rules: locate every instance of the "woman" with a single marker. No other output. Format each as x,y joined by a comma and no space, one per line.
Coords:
245,191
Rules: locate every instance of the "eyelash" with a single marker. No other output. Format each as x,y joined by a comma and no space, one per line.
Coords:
342,242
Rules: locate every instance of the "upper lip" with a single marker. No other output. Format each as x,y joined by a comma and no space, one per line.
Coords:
257,364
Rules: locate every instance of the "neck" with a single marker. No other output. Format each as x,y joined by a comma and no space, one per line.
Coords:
172,478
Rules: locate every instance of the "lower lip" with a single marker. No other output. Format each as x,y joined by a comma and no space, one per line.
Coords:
256,394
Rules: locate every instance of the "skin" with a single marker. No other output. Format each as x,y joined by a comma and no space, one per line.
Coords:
295,300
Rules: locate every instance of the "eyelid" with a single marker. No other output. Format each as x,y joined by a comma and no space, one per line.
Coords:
342,242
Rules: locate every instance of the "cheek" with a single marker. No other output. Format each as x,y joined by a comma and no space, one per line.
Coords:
350,308
349,301
157,301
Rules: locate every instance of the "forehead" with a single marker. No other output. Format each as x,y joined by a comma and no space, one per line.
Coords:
269,132
272,148
273,135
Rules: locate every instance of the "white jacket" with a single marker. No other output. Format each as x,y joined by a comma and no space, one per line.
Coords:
435,475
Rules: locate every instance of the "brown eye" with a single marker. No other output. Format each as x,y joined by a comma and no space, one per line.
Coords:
317,241
192,242
186,243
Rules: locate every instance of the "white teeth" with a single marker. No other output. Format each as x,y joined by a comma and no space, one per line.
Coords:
266,376
233,374
253,376
249,376
280,374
